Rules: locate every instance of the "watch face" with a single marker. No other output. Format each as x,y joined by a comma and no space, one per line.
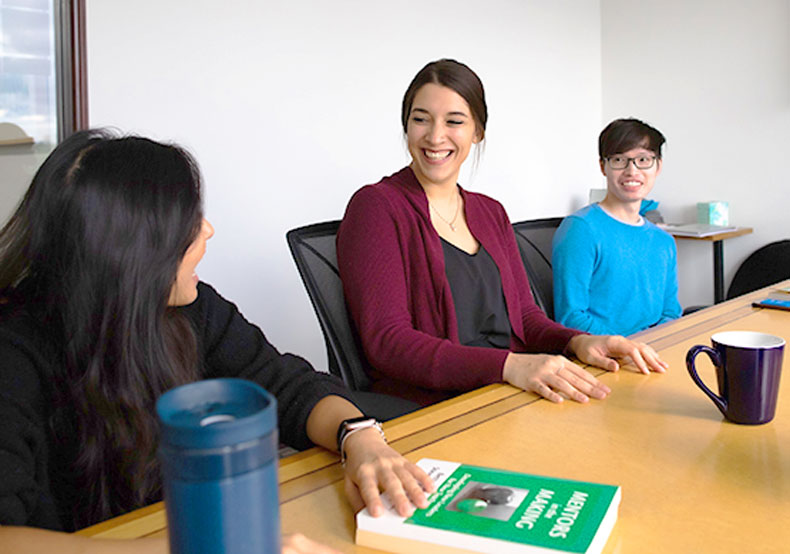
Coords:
353,424
358,424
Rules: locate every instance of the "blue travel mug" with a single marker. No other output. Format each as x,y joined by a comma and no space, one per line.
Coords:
218,451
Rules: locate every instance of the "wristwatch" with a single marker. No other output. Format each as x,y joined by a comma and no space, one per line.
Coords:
350,426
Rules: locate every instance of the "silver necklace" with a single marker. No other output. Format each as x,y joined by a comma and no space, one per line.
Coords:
451,223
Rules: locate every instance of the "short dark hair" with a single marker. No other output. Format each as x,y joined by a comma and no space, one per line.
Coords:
621,135
453,75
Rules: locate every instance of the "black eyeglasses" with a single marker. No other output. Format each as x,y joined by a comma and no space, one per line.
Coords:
621,162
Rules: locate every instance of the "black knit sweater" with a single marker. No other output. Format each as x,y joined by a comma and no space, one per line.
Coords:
228,346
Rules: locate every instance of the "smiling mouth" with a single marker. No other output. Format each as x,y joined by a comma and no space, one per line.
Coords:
435,155
631,184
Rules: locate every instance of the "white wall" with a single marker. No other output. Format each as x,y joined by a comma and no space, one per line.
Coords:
290,107
714,77
18,164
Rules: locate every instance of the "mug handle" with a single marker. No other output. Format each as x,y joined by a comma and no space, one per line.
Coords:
721,404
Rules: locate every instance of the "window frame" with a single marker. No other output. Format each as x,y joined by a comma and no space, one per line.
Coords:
71,71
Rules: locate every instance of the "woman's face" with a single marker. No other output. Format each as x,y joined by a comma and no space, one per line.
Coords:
184,290
440,132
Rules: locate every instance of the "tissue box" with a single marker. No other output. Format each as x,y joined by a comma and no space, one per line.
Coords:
713,213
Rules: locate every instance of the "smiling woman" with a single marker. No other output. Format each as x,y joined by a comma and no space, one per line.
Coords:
432,275
440,132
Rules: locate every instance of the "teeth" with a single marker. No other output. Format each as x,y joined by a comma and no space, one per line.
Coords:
437,155
632,184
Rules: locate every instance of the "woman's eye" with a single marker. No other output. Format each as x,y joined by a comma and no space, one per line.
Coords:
418,119
455,122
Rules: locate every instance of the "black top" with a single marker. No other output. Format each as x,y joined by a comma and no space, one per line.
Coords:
480,307
228,346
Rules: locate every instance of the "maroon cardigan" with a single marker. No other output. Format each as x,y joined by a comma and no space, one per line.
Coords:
392,266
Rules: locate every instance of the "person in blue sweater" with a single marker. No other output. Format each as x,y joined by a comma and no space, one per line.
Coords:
614,271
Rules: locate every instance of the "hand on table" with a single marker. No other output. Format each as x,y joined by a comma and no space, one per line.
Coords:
549,375
299,544
372,466
601,351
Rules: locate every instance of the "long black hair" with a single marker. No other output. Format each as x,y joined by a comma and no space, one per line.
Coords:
93,251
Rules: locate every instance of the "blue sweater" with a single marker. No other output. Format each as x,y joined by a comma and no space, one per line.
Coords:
611,277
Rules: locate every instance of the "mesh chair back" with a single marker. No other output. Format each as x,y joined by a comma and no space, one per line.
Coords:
314,251
534,243
765,266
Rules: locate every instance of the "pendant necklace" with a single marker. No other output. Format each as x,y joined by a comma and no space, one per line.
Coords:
451,223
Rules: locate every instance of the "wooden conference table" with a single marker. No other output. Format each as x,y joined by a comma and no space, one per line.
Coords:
691,481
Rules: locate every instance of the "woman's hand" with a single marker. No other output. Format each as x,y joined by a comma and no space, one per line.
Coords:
601,351
299,544
549,375
372,466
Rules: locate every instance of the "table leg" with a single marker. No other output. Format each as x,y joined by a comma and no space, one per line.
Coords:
718,271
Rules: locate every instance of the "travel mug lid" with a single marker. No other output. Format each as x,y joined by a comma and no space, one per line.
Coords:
215,413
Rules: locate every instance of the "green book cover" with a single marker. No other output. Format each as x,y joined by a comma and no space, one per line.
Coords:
476,509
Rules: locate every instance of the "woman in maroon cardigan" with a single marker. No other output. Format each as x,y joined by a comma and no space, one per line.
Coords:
432,274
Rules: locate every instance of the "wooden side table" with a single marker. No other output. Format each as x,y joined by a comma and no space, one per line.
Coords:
718,256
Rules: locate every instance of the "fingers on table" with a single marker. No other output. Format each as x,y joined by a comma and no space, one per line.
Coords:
391,483
369,490
413,488
546,391
405,485
425,481
353,495
584,381
560,375
576,384
654,362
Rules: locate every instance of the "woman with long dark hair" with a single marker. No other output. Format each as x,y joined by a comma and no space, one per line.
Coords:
101,311
433,277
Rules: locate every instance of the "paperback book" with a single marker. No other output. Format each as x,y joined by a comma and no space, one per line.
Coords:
477,509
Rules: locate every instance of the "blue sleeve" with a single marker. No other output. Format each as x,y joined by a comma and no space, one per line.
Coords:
672,309
573,261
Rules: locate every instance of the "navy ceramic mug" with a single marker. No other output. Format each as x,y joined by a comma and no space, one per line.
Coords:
748,368
218,451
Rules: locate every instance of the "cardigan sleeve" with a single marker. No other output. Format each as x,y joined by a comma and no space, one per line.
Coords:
372,258
231,346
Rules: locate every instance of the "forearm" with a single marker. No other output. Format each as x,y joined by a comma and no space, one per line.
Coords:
326,417
23,540
414,357
584,321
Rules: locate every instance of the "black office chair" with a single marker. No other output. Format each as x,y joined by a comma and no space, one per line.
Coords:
765,266
534,243
315,254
